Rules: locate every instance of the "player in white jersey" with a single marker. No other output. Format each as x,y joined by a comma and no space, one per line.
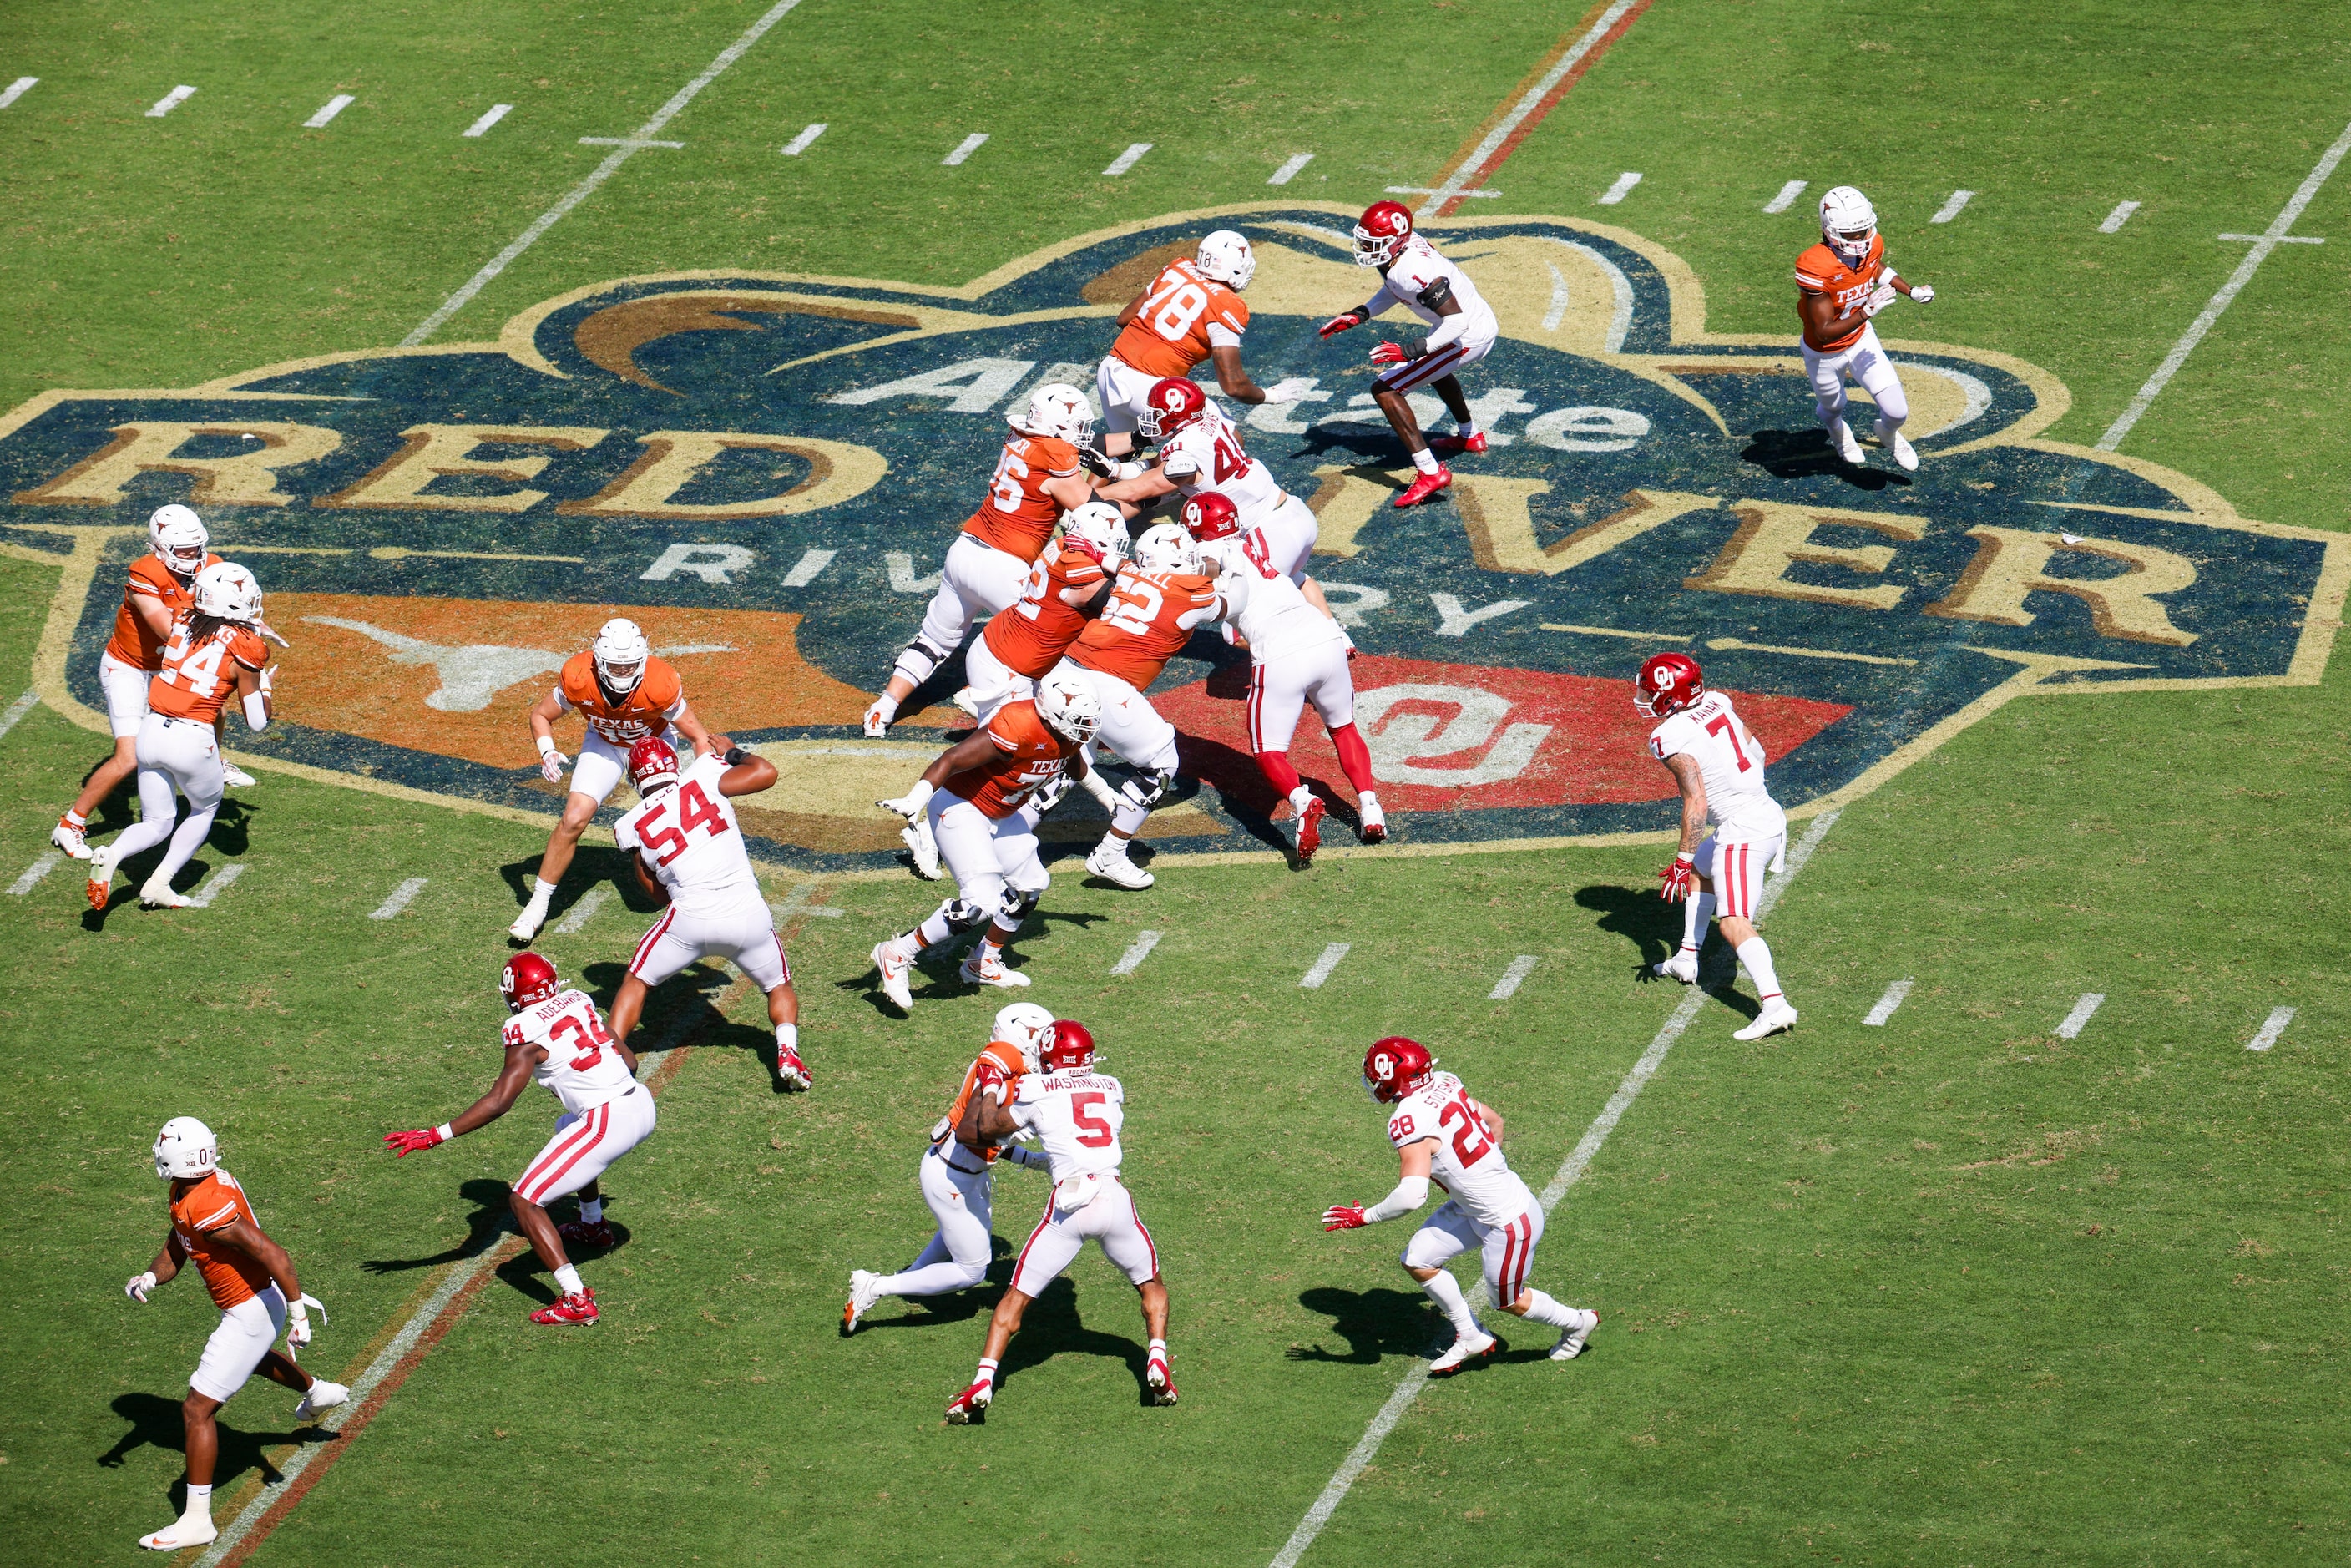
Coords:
1443,1134
1076,1113
1463,329
686,848
556,1038
1718,765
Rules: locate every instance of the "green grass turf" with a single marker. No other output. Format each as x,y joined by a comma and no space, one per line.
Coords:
1947,1291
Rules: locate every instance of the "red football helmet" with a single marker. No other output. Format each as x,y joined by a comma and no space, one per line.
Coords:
1396,1066
1381,231
1209,516
1068,1046
1668,683
1172,403
651,760
528,979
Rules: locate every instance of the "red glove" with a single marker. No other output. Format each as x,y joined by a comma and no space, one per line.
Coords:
1388,354
985,1072
1086,547
404,1143
1343,1216
1681,879
1338,324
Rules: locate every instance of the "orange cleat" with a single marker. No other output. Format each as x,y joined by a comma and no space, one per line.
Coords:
1425,485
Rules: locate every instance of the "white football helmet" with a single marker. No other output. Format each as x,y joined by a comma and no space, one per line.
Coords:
1100,525
186,1147
1848,223
1227,257
226,590
1165,548
178,537
1024,1026
1068,704
1056,409
619,652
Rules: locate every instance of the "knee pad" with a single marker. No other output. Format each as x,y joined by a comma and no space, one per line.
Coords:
1015,905
919,658
1146,788
962,916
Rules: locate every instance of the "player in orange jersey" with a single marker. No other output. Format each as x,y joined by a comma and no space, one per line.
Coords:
1841,284
215,650
1190,312
982,797
625,693
252,1281
156,592
959,1184
1066,589
1036,480
1150,617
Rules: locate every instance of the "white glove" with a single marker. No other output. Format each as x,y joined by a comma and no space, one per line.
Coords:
912,804
138,1285
551,762
1096,786
1288,390
298,1322
1879,298
1921,292
263,679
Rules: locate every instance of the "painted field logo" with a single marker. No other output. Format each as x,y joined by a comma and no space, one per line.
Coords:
766,471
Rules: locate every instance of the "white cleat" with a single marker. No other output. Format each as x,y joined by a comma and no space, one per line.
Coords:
967,702
924,845
527,924
158,894
877,726
1570,1340
896,971
1847,448
862,1294
320,1395
183,1533
234,778
1905,455
1373,823
1463,1351
70,839
1112,865
980,969
1682,966
1775,1016
102,878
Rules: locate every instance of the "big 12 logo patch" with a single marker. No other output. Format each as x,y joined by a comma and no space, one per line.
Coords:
765,472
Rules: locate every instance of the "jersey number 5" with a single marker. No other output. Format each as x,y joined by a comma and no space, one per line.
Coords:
1097,1134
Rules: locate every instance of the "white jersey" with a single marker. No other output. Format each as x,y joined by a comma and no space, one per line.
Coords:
692,843
1264,606
1468,1163
1211,446
1076,1115
1729,763
582,1069
1412,279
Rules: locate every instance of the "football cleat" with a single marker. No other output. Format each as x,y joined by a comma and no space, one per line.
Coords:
1112,865
1846,447
1905,457
969,1407
1424,485
320,1395
234,778
586,1233
1371,823
986,968
967,700
580,1308
102,878
1158,1383
1310,830
527,924
924,845
1682,966
862,1297
1776,1016
70,839
1454,446
157,895
894,971
183,1533
1571,1338
1462,1350
877,726
792,1076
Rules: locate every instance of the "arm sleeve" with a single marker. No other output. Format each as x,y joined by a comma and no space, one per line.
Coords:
624,834
1447,331
1379,301
1410,1194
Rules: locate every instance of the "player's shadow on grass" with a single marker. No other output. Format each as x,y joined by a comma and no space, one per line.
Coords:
956,1306
1375,1323
155,1421
1052,1327
1655,928
1241,786
591,868
1804,454
231,836
491,1218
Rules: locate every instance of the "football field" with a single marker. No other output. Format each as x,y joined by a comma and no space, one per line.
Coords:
2025,1244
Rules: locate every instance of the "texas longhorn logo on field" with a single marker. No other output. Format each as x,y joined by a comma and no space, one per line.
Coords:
766,471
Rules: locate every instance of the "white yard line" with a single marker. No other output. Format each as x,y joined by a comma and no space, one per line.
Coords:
1431,190
1453,184
17,710
1145,941
965,149
399,898
1620,190
602,172
2084,1011
1313,979
214,885
35,872
1953,206
496,112
334,106
2271,1028
1513,978
1571,1171
584,911
169,101
804,571
1787,196
2268,240
17,89
629,142
804,141
1887,1003
2118,217
796,903
1127,160
1289,172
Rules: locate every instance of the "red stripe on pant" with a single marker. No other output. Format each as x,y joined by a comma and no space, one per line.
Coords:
1256,701
1421,372
645,946
1736,893
1149,1246
538,1180
784,959
1044,1220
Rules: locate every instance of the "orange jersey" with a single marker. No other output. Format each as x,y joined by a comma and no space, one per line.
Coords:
1028,755
1183,317
1820,270
1032,633
1018,517
197,678
1146,622
1001,1058
153,580
229,1273
659,697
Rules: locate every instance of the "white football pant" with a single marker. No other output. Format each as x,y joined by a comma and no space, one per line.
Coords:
1451,360
747,940
585,1143
1510,1250
1280,691
1109,1221
244,1336
125,687
1735,867
1865,362
1132,727
1290,533
975,580
984,854
597,771
959,1255
992,682
1126,392
176,755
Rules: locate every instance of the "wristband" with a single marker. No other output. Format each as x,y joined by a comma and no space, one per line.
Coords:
445,1131
1686,859
547,746
296,1313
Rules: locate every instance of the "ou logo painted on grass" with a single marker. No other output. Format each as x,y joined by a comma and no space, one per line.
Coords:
1405,745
